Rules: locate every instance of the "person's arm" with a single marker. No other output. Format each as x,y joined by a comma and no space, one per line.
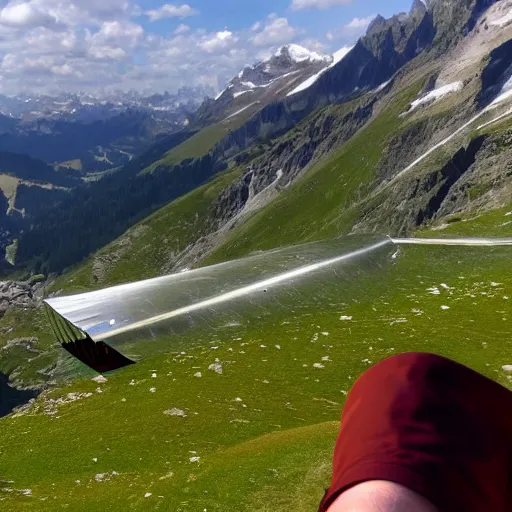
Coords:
381,496
432,425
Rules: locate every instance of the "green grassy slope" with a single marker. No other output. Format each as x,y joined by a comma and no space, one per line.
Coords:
202,142
264,429
16,360
497,223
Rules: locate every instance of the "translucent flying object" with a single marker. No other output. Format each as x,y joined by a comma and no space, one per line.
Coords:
115,327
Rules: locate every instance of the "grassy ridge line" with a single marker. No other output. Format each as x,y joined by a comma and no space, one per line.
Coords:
310,209
495,223
202,142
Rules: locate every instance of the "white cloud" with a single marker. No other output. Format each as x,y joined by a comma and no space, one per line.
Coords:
64,70
351,30
317,4
19,15
218,41
314,45
360,24
106,53
171,11
80,12
276,31
124,33
96,45
182,29
113,41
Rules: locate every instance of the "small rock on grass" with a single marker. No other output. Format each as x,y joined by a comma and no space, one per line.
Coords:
216,367
175,412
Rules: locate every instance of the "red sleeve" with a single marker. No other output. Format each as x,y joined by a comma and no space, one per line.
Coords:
432,425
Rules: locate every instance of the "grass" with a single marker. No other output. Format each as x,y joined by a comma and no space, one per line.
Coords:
9,187
75,164
202,142
478,190
10,252
265,428
497,223
22,364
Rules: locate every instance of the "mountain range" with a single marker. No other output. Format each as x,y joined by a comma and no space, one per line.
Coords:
279,118
275,120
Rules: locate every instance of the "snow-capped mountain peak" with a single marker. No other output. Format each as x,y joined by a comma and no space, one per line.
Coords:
285,60
268,80
298,54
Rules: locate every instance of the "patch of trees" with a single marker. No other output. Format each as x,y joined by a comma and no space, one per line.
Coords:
94,215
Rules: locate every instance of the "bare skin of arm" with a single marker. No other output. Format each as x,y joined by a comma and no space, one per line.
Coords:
381,496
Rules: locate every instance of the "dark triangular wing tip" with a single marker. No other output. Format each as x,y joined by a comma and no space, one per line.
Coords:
97,355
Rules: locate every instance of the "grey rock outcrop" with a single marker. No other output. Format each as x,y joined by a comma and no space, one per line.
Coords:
23,294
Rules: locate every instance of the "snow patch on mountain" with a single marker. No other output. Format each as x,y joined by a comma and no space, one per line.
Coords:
339,55
300,54
436,94
241,74
241,110
505,93
223,91
336,58
382,86
241,93
307,83
504,20
220,94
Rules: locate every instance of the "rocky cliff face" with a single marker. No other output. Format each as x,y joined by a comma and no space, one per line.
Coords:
293,154
496,74
475,178
455,18
387,47
22,294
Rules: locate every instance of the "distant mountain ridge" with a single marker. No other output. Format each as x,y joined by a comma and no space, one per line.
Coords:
99,133
85,107
100,145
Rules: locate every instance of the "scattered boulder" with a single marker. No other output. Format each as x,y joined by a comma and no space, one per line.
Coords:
175,412
216,367
28,344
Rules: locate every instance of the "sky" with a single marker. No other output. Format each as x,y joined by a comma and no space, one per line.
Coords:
50,46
